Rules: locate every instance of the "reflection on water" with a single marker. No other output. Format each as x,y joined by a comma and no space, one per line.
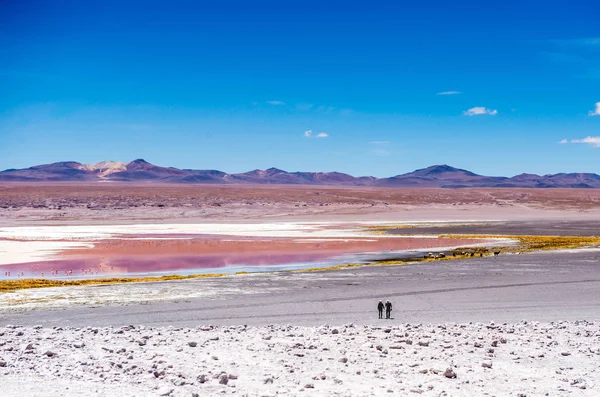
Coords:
136,266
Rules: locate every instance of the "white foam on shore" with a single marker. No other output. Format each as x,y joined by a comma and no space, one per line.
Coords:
281,229
12,252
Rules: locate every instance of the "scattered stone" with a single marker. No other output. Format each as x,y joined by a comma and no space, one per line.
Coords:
202,378
192,344
449,373
486,364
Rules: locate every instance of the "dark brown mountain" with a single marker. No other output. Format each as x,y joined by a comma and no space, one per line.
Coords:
139,170
440,176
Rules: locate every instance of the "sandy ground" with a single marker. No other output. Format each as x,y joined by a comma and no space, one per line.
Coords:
80,204
522,359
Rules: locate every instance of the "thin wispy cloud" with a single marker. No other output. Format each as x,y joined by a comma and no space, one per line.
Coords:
381,152
309,134
596,111
380,142
593,141
276,103
449,93
581,42
304,107
578,57
563,141
480,110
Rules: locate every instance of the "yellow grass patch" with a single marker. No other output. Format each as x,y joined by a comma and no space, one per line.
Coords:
26,283
535,243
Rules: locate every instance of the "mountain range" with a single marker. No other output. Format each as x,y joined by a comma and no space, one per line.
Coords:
139,170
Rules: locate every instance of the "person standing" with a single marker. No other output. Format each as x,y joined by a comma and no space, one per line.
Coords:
388,309
380,309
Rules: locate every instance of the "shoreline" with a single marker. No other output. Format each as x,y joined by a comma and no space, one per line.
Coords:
510,244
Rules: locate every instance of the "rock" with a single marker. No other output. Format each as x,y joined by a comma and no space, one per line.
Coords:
495,343
478,345
29,346
78,345
223,379
343,360
50,354
424,343
268,381
2,363
335,331
165,391
202,378
565,354
486,364
233,377
449,373
192,344
309,386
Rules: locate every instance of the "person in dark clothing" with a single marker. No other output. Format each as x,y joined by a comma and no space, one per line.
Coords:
380,309
388,309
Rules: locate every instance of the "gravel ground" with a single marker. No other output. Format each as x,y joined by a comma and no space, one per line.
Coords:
520,359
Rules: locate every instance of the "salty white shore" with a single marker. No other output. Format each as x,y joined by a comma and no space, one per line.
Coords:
519,359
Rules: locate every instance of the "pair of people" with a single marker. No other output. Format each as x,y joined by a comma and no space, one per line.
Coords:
388,309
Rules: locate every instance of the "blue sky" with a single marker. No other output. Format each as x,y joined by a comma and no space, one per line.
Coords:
236,86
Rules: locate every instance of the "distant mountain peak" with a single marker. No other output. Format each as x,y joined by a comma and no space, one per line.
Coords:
104,168
139,161
439,170
139,170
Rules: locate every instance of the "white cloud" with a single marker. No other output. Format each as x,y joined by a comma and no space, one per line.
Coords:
381,152
596,111
590,140
449,93
276,103
307,133
563,141
479,110
322,135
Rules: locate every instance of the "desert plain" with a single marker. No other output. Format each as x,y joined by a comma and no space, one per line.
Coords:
297,271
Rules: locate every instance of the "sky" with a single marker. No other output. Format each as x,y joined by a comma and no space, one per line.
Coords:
364,87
